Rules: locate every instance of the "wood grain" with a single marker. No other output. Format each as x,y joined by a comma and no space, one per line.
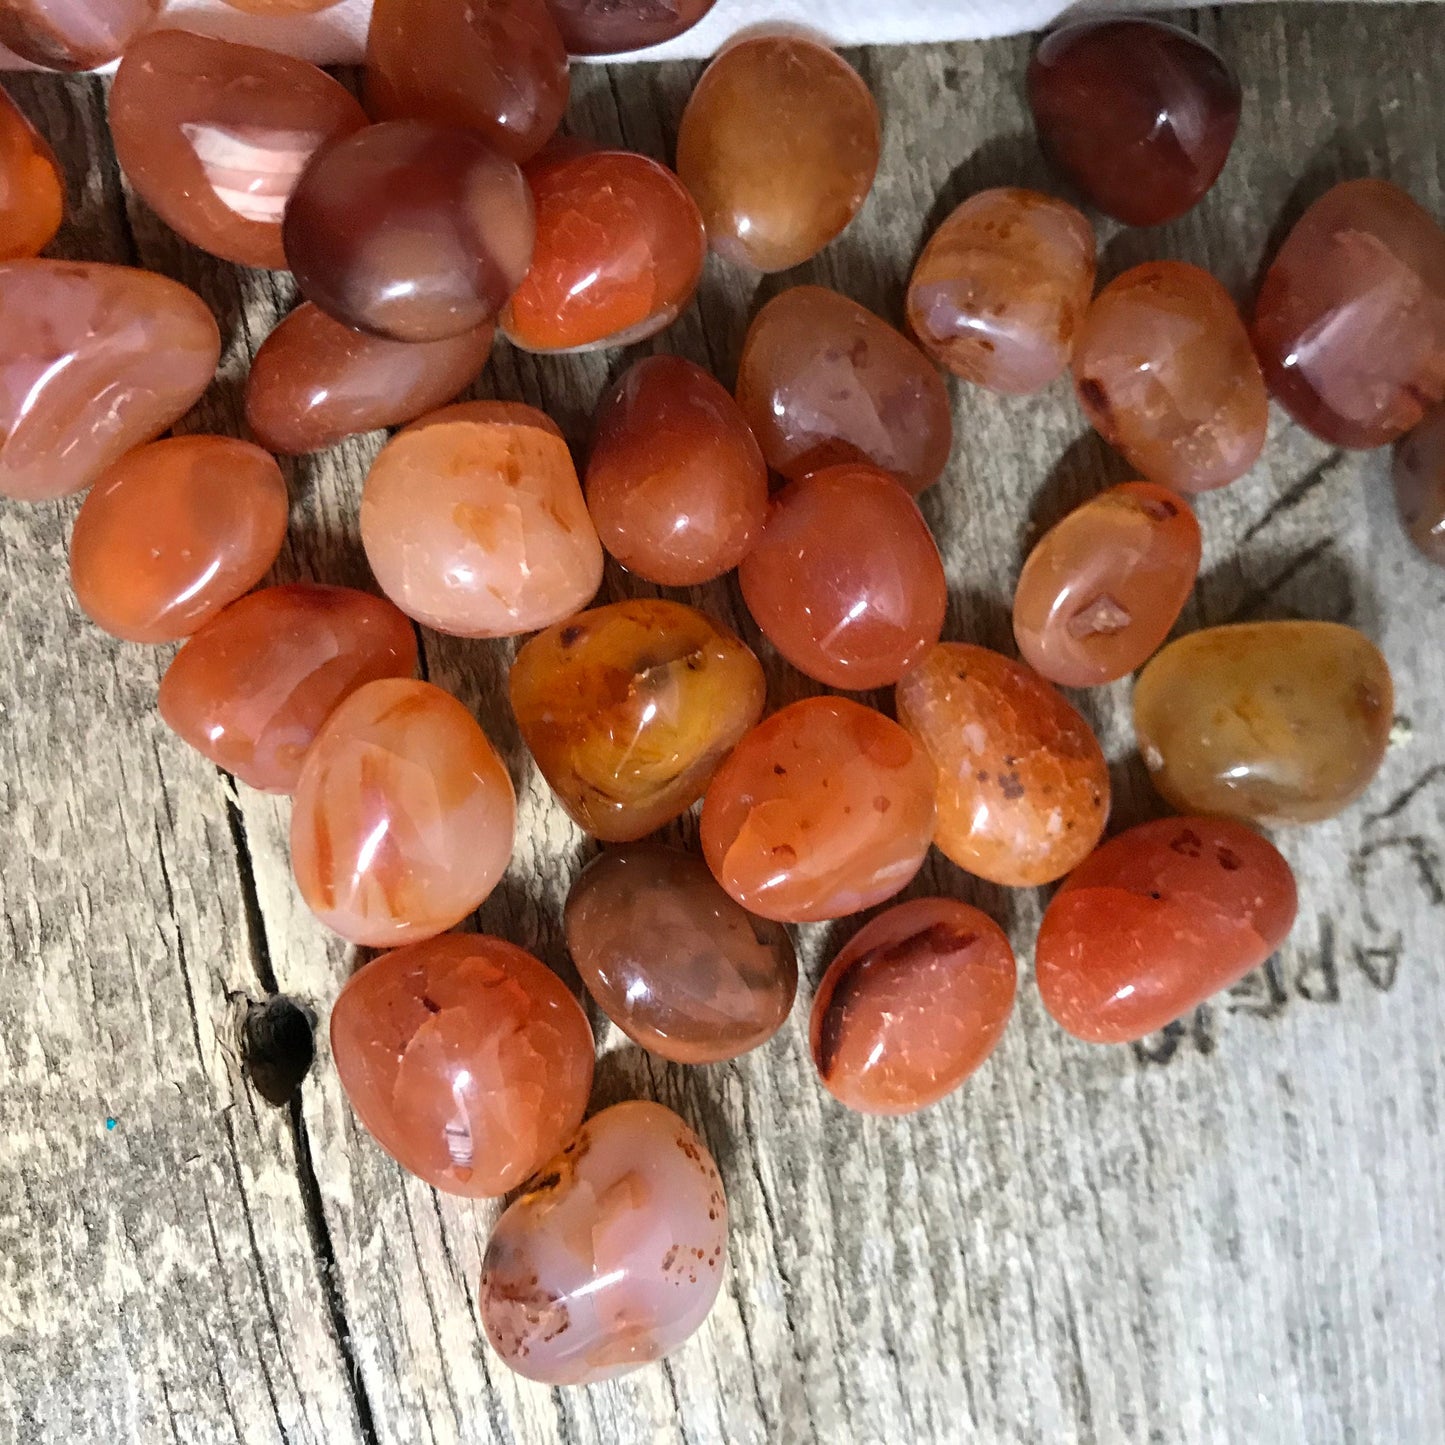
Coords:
1235,1232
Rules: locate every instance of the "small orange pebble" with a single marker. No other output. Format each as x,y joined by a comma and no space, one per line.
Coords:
32,189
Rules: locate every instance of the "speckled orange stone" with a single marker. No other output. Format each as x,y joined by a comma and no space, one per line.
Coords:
32,189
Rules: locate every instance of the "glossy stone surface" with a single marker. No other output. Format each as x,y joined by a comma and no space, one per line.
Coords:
779,146
175,531
466,1059
630,708
1001,288
1023,789
410,230
823,381
281,7
214,136
32,188
1158,920
615,1254
676,484
1101,591
473,522
613,27
1269,722
73,34
824,809
846,581
1420,485
1138,114
404,816
252,688
1165,371
912,1005
94,360
676,964
1350,320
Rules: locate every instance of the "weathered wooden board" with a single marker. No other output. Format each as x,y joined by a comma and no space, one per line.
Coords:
1235,1233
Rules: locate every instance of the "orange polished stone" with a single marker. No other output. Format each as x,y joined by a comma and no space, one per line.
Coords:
94,360
1165,371
466,1059
630,708
404,816
497,67
175,531
823,381
1023,789
1102,589
779,146
824,809
73,34
474,523
912,1006
619,253
846,581
252,688
1419,474
1001,289
32,189
675,483
1156,921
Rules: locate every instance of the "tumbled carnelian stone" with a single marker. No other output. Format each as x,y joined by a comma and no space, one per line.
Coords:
823,381
1420,485
1158,920
1102,589
32,189
619,253
214,136
630,708
73,34
466,1058
1270,722
846,581
175,531
1350,320
1001,287
252,688
824,809
1023,789
613,27
912,1005
1165,371
779,145
404,816
676,484
474,523
281,7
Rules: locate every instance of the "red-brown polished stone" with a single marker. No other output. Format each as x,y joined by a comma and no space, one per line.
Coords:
410,230
32,189
1140,115
1420,485
613,27
675,483
823,381
914,1004
175,531
466,1058
73,34
253,687
1350,320
1156,921
281,7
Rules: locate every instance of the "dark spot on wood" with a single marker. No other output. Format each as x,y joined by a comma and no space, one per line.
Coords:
278,1046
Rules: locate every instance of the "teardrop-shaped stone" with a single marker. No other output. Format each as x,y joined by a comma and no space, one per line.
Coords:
72,34
32,190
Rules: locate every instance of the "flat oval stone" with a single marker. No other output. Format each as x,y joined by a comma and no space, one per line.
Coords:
1001,288
1023,788
94,360
214,136
1350,320
175,531
1156,921
911,1006
474,523
410,230
613,27
1420,485
32,188
404,816
614,1255
466,1058
822,381
677,965
252,688
1268,722
73,34
779,146
629,709
1102,590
